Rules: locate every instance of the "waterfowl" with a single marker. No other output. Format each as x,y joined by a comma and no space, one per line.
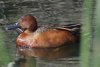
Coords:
46,41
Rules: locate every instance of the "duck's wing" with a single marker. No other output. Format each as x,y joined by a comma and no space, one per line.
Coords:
69,27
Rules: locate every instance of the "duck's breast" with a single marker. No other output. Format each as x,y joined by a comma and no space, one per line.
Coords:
23,39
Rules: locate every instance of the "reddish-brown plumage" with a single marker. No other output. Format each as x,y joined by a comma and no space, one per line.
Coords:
51,38
49,43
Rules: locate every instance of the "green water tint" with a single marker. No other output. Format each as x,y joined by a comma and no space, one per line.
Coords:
4,55
96,42
86,33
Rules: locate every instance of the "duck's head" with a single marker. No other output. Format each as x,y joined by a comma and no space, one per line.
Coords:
28,22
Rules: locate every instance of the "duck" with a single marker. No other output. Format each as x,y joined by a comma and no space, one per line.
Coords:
50,41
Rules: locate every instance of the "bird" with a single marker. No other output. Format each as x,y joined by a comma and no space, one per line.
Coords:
50,41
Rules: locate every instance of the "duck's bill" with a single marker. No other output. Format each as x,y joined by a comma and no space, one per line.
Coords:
12,26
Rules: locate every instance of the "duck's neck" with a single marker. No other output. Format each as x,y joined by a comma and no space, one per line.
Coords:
32,28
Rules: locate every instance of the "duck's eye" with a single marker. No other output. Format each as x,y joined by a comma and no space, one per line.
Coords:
23,20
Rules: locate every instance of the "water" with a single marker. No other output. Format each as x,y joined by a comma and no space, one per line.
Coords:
46,11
